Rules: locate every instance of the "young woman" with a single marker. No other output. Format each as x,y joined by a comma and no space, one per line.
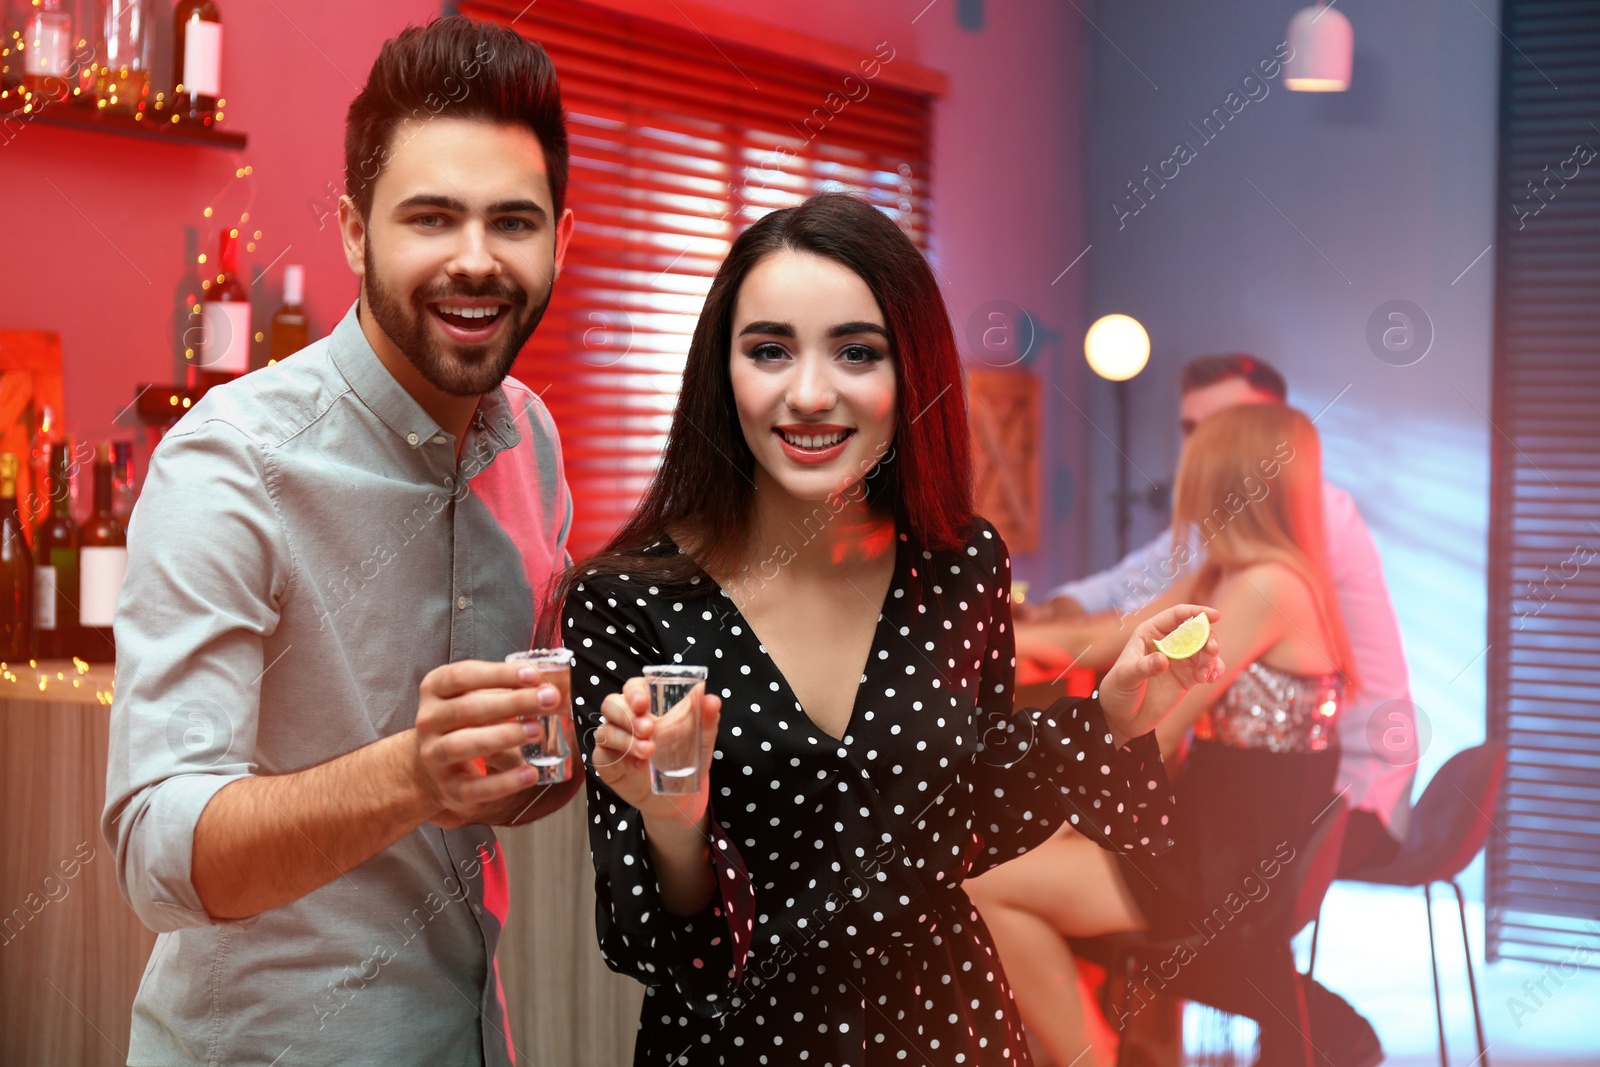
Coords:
810,539
1262,764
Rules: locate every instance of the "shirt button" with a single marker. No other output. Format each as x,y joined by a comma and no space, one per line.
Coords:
412,438
461,603
438,439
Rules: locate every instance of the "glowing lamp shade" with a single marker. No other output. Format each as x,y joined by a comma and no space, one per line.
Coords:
1117,347
1324,47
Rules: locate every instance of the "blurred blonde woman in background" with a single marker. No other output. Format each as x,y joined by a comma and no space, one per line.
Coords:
1260,766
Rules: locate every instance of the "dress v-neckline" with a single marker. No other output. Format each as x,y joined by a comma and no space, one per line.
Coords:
872,650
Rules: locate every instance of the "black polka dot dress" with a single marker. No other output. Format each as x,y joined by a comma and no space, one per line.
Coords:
841,936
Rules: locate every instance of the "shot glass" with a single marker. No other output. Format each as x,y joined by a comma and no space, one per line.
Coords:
551,755
675,693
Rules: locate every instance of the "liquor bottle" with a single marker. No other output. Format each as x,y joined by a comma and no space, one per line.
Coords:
122,81
224,351
55,571
291,330
47,52
197,59
124,490
102,561
16,571
38,481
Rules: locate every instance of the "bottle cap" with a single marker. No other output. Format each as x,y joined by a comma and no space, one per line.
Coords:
294,284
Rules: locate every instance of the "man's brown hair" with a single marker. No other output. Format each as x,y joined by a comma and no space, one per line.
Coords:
460,68
1263,377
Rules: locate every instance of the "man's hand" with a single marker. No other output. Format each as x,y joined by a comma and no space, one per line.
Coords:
1055,609
1144,685
468,712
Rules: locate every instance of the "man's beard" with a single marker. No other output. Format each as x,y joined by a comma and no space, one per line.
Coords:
406,325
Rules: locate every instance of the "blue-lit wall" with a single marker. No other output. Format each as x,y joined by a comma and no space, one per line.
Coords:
1295,220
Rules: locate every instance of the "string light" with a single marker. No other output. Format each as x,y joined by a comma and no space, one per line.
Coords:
44,681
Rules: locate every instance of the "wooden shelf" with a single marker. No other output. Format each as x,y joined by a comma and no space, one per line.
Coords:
155,126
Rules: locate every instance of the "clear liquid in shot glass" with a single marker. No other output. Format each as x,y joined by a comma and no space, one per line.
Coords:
675,694
551,755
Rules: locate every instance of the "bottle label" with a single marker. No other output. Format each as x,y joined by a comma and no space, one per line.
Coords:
202,57
44,598
226,348
100,572
47,53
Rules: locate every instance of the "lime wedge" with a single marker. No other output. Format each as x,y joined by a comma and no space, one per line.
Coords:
1187,639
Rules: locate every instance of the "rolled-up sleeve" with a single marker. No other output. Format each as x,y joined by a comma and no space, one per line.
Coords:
208,567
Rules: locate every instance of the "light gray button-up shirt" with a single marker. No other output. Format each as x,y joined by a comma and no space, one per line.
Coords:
305,549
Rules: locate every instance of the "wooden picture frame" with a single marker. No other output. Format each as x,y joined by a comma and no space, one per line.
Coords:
1003,412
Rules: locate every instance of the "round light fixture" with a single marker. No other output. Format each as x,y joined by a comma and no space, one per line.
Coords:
1117,347
1323,47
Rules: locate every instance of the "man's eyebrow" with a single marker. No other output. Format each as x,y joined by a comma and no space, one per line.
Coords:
450,203
518,207
435,200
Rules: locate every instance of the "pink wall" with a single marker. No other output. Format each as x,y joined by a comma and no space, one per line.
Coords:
96,225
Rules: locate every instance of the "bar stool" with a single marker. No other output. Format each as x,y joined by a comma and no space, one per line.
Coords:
1273,974
1449,824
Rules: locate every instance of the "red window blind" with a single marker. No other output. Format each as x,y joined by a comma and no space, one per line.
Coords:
678,143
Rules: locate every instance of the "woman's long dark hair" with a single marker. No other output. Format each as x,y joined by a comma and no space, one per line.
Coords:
703,494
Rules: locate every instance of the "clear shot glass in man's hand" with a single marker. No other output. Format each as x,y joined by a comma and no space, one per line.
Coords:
550,751
473,711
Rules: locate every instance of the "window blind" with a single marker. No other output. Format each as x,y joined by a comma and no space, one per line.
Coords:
1542,888
678,143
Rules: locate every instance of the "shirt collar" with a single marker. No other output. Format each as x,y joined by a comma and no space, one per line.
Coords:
494,416
352,353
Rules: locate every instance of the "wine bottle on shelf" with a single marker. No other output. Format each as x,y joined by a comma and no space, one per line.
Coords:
47,51
124,489
102,562
224,350
291,330
38,500
122,78
197,59
55,571
16,571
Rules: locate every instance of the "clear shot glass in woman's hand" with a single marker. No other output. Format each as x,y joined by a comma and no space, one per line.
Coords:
677,692
629,737
1144,685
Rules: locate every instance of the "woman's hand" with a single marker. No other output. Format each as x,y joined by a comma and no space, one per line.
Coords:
1144,685
624,742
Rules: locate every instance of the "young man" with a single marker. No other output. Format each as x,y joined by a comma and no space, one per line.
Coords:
314,726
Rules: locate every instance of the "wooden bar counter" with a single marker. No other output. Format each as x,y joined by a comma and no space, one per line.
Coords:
72,951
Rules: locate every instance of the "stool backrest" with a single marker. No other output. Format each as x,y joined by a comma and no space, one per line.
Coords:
1452,818
1316,873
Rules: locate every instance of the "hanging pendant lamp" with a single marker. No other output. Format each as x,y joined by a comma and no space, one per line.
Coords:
1323,49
